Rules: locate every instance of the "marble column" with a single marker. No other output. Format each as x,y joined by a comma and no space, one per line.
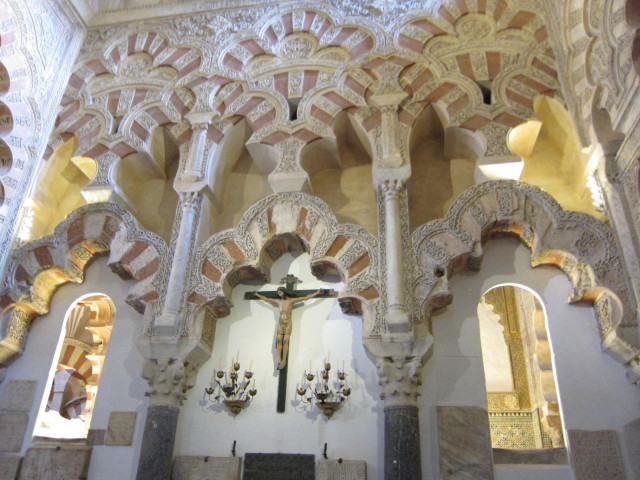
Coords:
400,381
193,166
168,380
167,323
158,439
397,315
402,443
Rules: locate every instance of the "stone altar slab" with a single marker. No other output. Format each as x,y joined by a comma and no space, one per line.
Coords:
13,426
55,463
206,468
342,470
465,443
280,466
9,465
120,428
595,455
18,395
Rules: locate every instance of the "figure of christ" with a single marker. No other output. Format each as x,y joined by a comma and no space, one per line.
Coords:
285,304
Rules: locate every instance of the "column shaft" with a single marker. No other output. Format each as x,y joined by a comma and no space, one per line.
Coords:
402,443
181,254
395,267
158,439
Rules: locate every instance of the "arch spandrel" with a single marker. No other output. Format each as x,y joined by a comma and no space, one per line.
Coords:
38,268
581,246
289,222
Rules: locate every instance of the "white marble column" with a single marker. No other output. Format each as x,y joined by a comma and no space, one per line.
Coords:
397,315
199,126
167,322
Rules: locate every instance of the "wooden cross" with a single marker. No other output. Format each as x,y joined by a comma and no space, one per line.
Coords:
285,298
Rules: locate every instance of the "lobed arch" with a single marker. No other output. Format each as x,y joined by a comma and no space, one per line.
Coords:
581,246
37,269
140,124
289,222
298,33
135,134
88,126
603,52
317,103
482,63
162,51
261,109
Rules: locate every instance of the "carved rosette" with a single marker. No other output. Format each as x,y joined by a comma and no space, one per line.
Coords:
400,379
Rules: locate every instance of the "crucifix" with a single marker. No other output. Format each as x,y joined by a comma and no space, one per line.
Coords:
285,298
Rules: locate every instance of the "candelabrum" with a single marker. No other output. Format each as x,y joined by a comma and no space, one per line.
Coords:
326,399
235,394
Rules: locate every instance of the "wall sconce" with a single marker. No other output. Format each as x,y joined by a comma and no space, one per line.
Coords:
235,394
320,394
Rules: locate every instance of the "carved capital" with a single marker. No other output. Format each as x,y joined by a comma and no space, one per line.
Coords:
189,200
200,120
199,127
392,188
400,379
169,380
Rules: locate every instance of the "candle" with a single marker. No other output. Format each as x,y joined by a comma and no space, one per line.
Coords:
329,357
342,366
309,366
238,356
250,364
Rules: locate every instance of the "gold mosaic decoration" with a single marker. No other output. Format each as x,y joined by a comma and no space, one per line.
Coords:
515,430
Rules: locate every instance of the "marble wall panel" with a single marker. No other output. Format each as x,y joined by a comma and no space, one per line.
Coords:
465,443
120,428
18,395
9,465
342,470
206,468
595,454
13,425
55,463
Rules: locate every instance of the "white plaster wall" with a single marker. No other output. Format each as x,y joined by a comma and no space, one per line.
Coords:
355,432
121,387
593,391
